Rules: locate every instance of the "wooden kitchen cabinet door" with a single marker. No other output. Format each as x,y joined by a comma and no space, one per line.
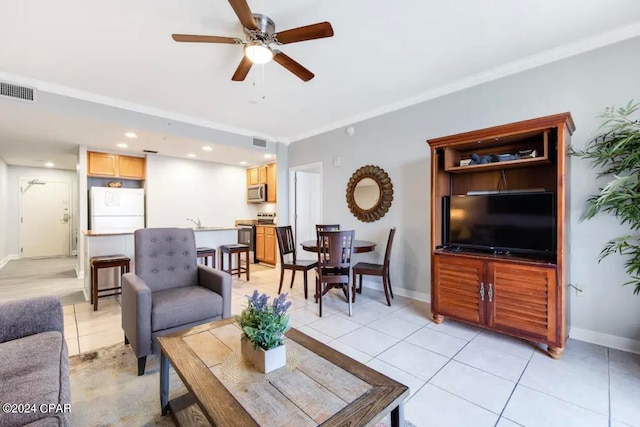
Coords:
131,167
270,245
103,164
458,288
260,243
252,176
522,300
271,183
262,174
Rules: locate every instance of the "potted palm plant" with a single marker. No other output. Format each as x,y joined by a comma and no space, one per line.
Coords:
616,151
263,326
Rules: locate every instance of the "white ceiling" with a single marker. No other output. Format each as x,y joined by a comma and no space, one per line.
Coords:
384,55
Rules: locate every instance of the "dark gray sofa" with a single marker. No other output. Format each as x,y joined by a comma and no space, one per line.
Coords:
34,362
169,292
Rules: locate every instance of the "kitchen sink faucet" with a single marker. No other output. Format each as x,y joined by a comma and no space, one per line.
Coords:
196,222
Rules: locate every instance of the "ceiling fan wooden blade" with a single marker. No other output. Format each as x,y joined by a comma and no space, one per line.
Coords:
309,32
242,70
241,8
293,66
191,38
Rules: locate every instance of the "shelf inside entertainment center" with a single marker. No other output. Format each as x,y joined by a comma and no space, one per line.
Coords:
537,141
518,295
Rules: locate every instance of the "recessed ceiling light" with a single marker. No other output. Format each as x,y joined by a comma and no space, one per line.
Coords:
243,163
49,164
191,155
121,145
207,148
268,156
130,135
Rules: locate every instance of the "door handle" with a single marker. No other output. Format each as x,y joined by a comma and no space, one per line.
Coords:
490,292
482,291
65,218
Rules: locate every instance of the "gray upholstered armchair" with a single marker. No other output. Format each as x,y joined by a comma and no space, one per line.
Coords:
168,291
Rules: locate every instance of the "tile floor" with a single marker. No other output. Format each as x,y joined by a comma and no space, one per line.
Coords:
458,375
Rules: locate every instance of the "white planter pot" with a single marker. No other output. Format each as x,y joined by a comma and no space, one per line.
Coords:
265,360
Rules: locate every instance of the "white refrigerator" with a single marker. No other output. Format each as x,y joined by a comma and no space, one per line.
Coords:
116,210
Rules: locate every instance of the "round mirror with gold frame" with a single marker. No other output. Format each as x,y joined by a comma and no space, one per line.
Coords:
369,193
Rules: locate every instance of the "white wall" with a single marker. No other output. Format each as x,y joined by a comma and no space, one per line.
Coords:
178,189
15,173
583,85
4,176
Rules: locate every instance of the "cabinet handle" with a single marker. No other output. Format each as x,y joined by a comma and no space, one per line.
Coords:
482,291
490,292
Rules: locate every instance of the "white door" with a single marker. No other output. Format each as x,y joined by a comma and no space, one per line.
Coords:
307,202
45,218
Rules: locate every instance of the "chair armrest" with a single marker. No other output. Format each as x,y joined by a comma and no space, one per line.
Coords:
30,316
220,283
136,313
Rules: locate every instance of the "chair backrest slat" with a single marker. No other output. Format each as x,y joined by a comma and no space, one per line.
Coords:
285,242
335,248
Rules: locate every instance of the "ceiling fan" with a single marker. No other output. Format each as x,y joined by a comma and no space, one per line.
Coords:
260,34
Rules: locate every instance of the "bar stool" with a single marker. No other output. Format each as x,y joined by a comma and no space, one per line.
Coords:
205,253
235,249
107,261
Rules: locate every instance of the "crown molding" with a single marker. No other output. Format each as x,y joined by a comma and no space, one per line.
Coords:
129,106
530,62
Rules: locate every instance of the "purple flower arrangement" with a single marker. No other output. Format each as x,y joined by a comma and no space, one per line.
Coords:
262,323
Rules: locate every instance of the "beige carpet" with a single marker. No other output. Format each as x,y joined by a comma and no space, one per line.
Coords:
106,390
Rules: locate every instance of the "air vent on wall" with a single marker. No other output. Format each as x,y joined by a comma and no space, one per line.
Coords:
150,151
22,93
259,142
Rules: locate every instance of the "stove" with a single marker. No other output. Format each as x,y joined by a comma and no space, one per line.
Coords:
266,218
247,231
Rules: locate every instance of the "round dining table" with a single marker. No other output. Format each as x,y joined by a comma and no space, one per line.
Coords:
359,246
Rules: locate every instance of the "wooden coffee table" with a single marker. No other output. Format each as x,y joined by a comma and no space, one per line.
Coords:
319,385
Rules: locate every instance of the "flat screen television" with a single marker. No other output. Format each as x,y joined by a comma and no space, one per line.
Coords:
520,223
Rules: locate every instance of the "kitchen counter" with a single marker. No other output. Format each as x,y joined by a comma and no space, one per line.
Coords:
92,233
100,244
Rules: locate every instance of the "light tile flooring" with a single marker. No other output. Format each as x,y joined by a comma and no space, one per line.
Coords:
458,375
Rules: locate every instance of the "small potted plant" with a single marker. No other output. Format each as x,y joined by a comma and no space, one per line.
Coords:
263,326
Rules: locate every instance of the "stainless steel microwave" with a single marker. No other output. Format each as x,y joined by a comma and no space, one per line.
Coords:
257,193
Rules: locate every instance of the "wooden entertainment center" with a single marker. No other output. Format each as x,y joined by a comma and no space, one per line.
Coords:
523,296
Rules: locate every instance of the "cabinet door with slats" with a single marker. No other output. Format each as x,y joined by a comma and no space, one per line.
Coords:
522,300
457,288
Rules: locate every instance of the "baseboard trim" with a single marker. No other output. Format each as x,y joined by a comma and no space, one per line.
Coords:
420,296
607,340
8,258
79,273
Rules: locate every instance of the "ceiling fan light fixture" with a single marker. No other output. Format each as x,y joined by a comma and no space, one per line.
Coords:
258,53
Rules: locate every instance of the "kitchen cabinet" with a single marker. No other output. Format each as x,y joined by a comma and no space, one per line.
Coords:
102,164
116,166
271,183
131,167
260,243
266,249
523,296
265,174
257,175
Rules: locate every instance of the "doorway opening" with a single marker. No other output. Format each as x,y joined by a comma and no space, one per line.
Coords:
305,200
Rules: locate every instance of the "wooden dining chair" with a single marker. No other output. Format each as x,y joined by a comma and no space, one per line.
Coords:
327,227
287,246
382,270
334,263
